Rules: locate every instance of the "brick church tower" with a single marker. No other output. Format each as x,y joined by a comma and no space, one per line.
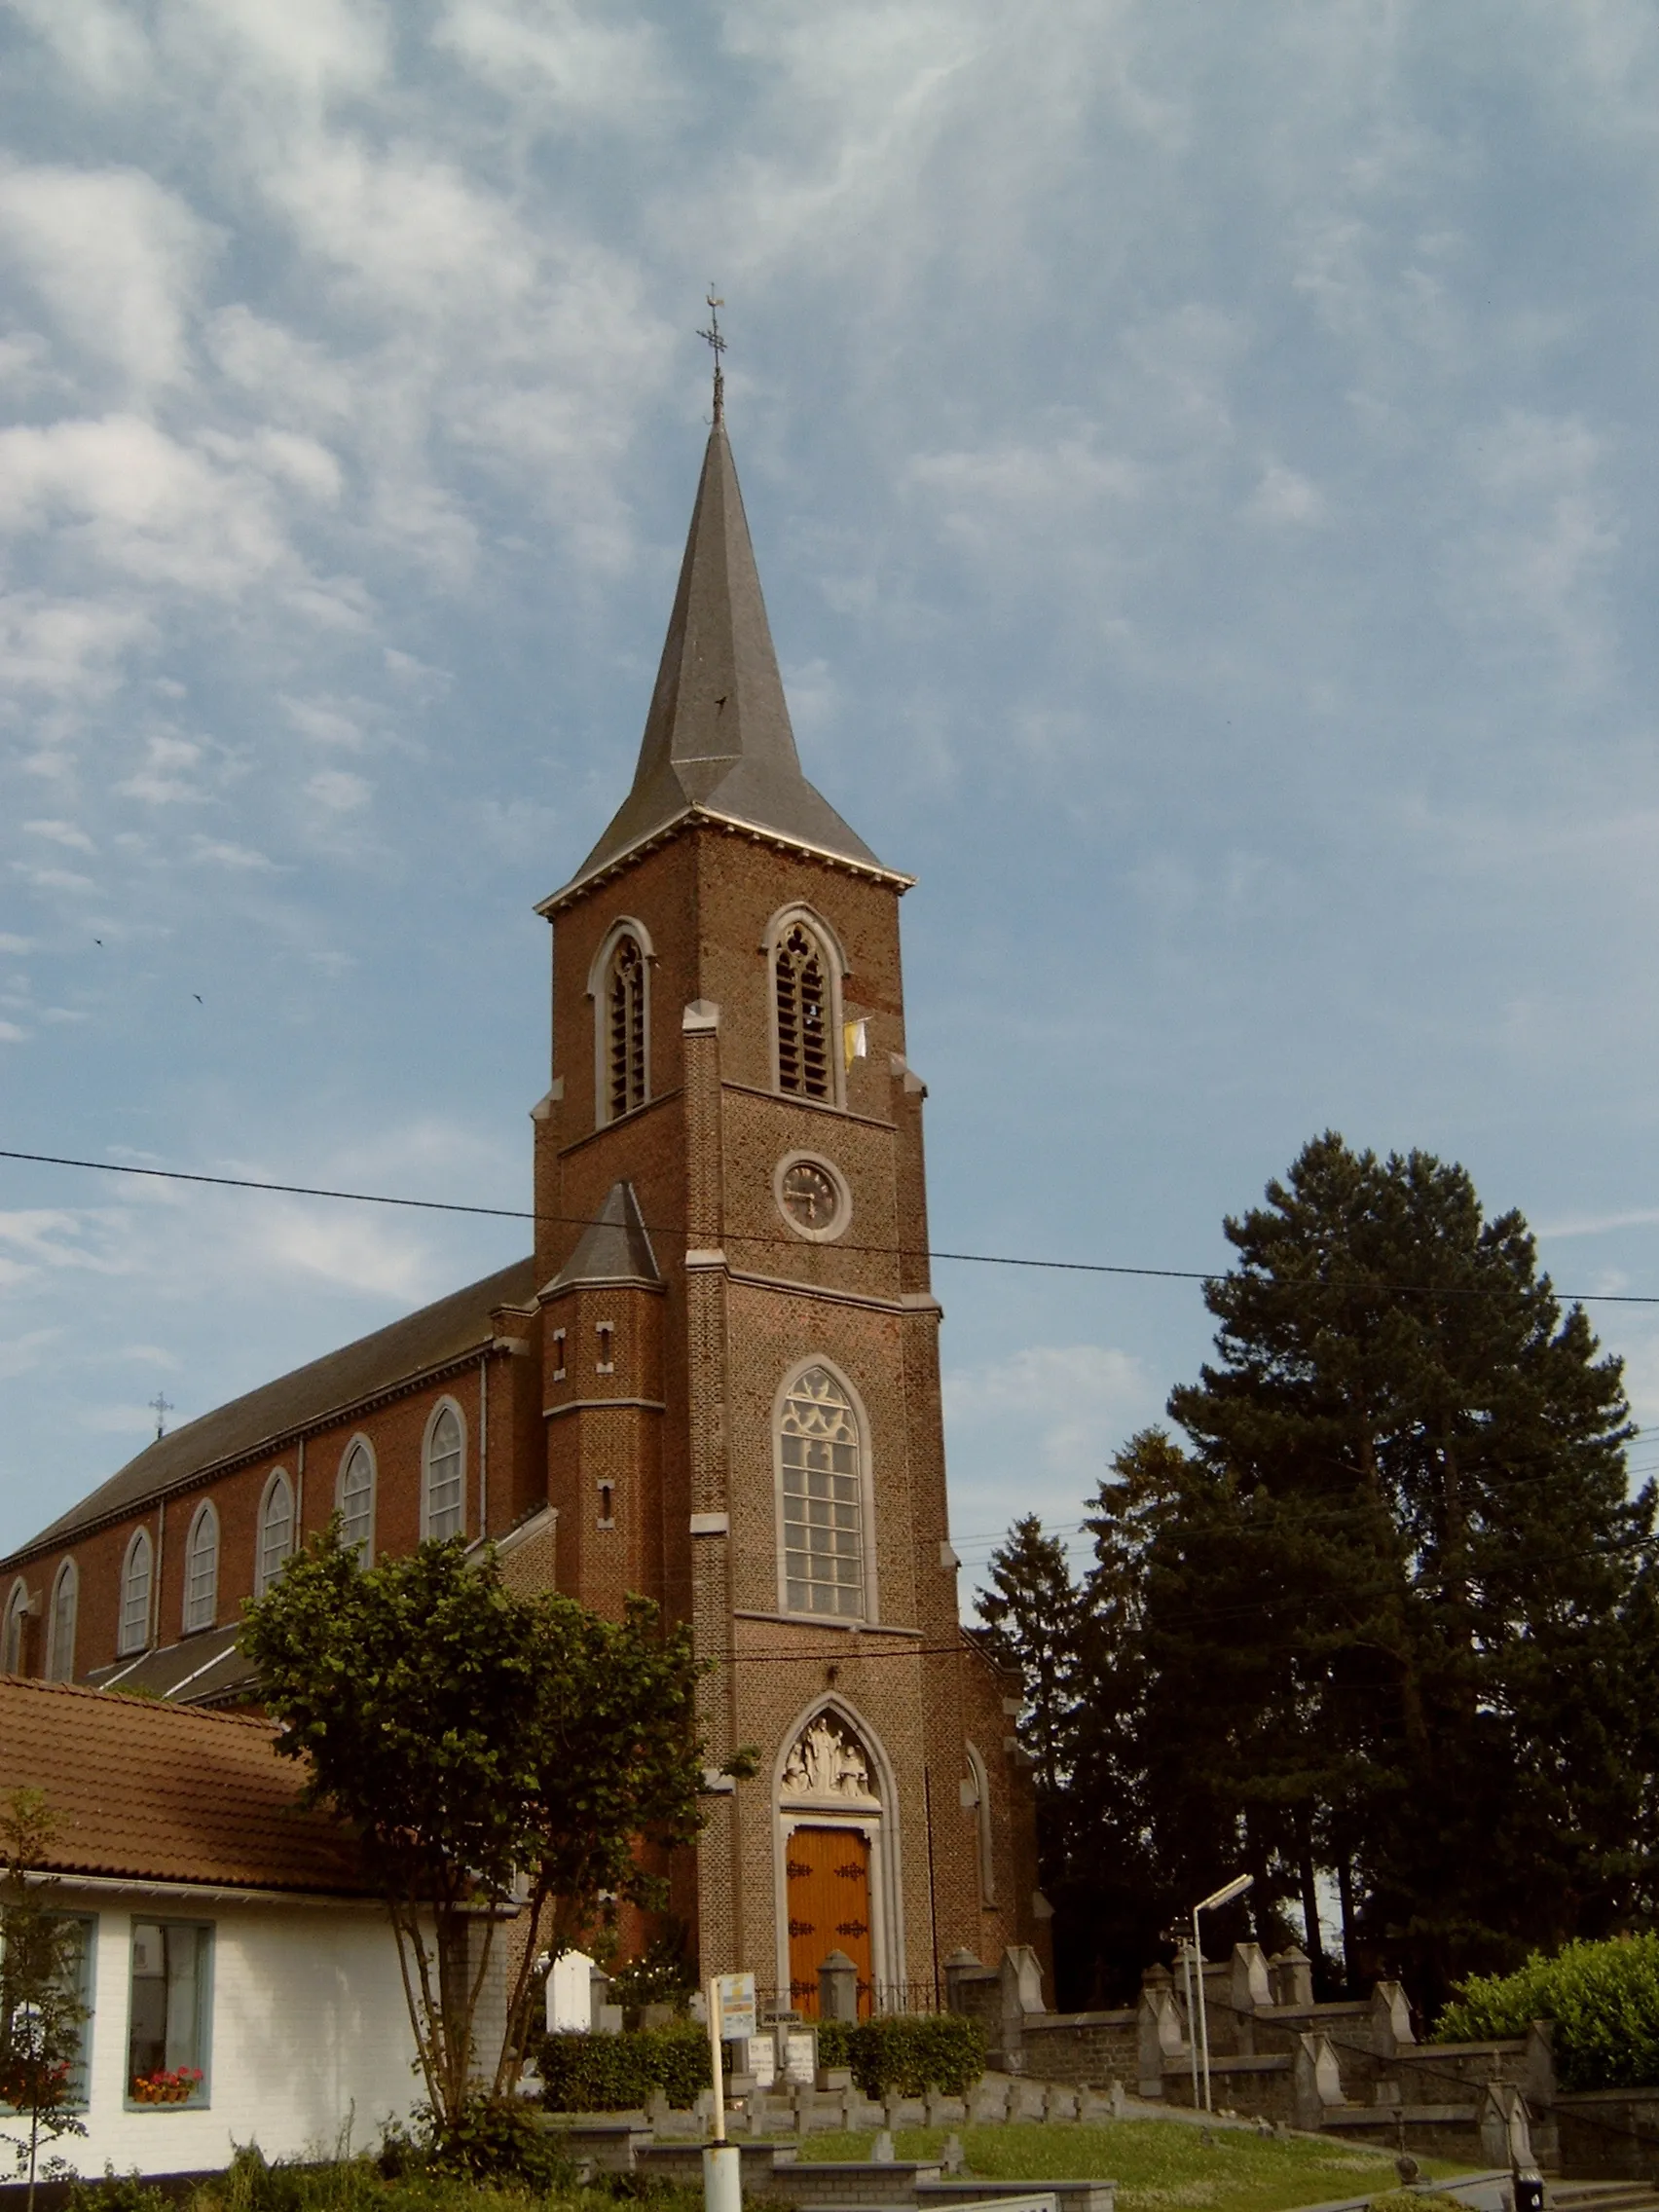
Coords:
715,1382
740,1340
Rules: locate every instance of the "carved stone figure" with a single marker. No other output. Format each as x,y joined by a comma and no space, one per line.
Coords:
827,1760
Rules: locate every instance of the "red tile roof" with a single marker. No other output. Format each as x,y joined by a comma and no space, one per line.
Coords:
164,1792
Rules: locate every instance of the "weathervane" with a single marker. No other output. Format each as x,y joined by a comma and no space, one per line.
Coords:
718,344
161,1407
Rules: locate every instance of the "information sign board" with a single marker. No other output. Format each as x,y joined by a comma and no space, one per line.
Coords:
737,2006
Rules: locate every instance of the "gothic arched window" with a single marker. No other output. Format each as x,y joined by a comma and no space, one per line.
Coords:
16,1625
624,1028
202,1569
805,1014
65,1604
135,1630
820,1481
275,1533
358,1501
443,1508
976,1796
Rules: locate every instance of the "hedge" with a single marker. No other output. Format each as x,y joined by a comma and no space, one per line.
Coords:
899,2055
611,2073
905,2054
1604,1999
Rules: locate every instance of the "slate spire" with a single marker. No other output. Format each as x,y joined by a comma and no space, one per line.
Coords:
718,737
616,1246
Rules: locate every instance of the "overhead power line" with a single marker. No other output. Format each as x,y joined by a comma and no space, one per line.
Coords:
737,1237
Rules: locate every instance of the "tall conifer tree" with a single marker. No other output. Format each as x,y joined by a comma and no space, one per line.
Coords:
1389,1618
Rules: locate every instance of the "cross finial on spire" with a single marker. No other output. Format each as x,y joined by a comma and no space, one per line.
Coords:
161,1407
718,344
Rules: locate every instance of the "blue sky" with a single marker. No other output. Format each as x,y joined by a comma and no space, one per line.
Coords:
1200,460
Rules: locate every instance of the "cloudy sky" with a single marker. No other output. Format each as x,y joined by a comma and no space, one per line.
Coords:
1202,460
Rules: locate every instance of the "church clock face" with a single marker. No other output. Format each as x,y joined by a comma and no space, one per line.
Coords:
811,1197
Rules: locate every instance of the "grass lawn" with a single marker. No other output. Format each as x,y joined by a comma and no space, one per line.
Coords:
1156,2163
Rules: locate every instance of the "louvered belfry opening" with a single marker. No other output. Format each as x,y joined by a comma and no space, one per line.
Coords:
627,1027
803,1015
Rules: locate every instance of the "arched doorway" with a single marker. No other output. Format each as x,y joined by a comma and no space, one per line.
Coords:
837,1887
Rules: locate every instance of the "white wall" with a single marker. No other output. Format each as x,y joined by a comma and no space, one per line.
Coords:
309,2036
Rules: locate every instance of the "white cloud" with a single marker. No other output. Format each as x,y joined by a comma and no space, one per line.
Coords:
11,1034
558,59
163,779
118,1420
98,42
63,834
1283,496
141,503
343,1249
338,792
54,1237
309,50
1066,1404
1541,535
325,721
116,257
218,852
289,377
70,648
1599,1224
17,1355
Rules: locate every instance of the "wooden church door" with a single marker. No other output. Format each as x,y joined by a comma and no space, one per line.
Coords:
829,1910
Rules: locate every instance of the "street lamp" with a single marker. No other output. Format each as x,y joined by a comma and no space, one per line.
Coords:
1224,1895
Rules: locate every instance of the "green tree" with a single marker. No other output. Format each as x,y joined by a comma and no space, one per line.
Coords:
40,1975
1387,1613
1414,1561
1033,1615
486,1748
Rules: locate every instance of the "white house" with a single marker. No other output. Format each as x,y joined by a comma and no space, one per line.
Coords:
241,1981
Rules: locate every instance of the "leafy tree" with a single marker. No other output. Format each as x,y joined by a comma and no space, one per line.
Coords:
485,1746
40,2005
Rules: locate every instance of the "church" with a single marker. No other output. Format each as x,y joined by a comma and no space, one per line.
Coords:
715,1382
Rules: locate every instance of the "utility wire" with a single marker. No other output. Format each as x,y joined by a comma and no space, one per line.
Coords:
1293,1520
1409,1588
736,1237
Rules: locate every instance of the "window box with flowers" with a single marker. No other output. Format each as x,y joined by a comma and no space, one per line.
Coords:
168,2016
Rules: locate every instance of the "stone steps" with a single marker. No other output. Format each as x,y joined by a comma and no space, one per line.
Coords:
1603,2197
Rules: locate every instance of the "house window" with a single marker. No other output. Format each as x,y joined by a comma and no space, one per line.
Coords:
202,1569
276,1532
17,1626
168,2024
65,1602
445,1493
625,1028
801,975
822,1477
357,1502
135,1595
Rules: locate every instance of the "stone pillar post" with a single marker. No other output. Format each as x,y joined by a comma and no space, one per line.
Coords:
1292,1977
837,1988
957,1968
